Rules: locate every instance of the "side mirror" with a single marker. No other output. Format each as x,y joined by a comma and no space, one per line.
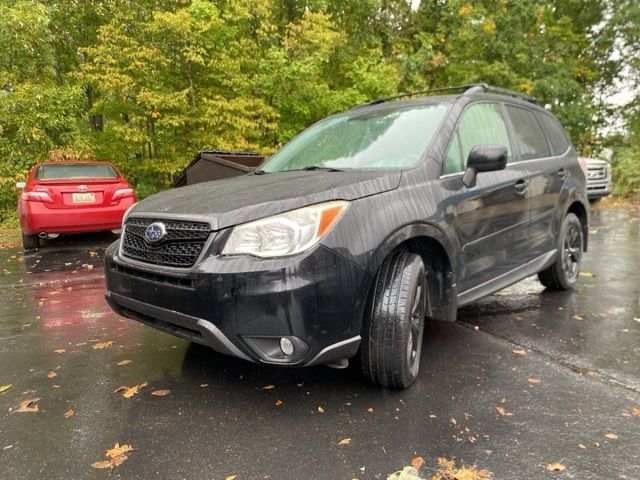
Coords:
21,185
484,158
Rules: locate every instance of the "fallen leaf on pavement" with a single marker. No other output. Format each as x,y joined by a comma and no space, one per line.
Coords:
344,441
123,362
447,470
279,402
635,410
101,345
60,350
533,380
417,463
52,374
519,351
128,392
555,467
268,387
30,405
611,436
230,477
501,411
4,388
320,409
7,447
587,274
581,446
68,413
370,409
160,393
118,450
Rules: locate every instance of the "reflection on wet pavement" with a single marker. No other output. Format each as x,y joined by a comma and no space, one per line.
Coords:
218,421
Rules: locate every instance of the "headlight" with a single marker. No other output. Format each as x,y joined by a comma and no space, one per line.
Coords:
287,233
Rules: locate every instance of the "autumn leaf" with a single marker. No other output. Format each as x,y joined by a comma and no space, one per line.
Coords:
4,388
279,402
501,411
519,351
453,421
587,274
555,467
160,393
344,441
128,392
60,350
68,413
123,362
635,410
533,380
268,387
370,409
417,463
230,477
52,374
28,406
611,436
320,409
101,345
118,450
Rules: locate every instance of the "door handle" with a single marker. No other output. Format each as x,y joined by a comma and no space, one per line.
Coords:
562,173
521,186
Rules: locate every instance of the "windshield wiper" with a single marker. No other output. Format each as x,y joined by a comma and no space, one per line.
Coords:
259,172
310,168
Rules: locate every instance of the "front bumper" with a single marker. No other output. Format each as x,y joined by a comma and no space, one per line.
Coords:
243,306
598,188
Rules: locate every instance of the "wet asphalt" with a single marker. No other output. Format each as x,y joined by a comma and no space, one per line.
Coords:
573,398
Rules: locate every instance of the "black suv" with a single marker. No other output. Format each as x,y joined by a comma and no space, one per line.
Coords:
356,230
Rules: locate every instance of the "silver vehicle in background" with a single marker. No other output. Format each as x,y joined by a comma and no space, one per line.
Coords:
598,178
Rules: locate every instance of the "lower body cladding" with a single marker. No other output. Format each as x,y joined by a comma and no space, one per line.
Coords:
303,310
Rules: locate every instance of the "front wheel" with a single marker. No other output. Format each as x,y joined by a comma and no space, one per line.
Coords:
563,273
393,330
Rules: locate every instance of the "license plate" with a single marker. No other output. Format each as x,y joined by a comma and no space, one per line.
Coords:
83,197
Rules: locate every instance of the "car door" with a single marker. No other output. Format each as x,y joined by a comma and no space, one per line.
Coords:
491,218
545,173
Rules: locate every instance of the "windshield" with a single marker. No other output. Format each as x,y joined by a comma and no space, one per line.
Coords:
64,171
380,139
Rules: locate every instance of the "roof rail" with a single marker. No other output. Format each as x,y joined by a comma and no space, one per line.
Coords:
468,89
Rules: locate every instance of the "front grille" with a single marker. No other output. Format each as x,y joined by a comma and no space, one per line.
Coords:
153,277
597,173
180,247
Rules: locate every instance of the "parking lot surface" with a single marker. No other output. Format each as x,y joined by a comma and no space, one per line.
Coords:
525,378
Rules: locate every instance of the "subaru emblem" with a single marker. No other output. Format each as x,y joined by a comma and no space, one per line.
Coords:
155,232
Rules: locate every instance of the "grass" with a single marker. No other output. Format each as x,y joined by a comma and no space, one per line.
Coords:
10,235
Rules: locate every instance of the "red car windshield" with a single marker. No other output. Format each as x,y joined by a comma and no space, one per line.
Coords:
70,171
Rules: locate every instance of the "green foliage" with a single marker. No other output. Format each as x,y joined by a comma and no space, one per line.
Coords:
149,85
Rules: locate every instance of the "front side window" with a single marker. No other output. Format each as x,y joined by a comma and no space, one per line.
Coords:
389,138
481,124
529,136
69,171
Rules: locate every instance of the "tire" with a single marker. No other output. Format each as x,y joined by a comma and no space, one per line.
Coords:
394,327
563,273
30,242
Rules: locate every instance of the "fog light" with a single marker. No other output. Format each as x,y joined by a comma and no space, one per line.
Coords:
286,346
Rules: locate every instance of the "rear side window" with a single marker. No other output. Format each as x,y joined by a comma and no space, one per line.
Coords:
70,171
529,136
481,124
557,138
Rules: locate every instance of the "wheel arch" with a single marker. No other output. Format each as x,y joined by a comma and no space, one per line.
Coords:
436,251
580,211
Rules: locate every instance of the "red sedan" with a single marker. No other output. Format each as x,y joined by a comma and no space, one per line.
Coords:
72,197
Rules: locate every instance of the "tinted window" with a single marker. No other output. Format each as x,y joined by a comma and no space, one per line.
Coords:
387,138
557,138
481,124
529,136
61,171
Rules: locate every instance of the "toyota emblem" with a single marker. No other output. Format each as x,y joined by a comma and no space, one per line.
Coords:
82,188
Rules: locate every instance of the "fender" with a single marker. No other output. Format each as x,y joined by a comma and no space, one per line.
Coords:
570,194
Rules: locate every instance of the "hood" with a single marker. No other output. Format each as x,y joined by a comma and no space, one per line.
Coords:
228,202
